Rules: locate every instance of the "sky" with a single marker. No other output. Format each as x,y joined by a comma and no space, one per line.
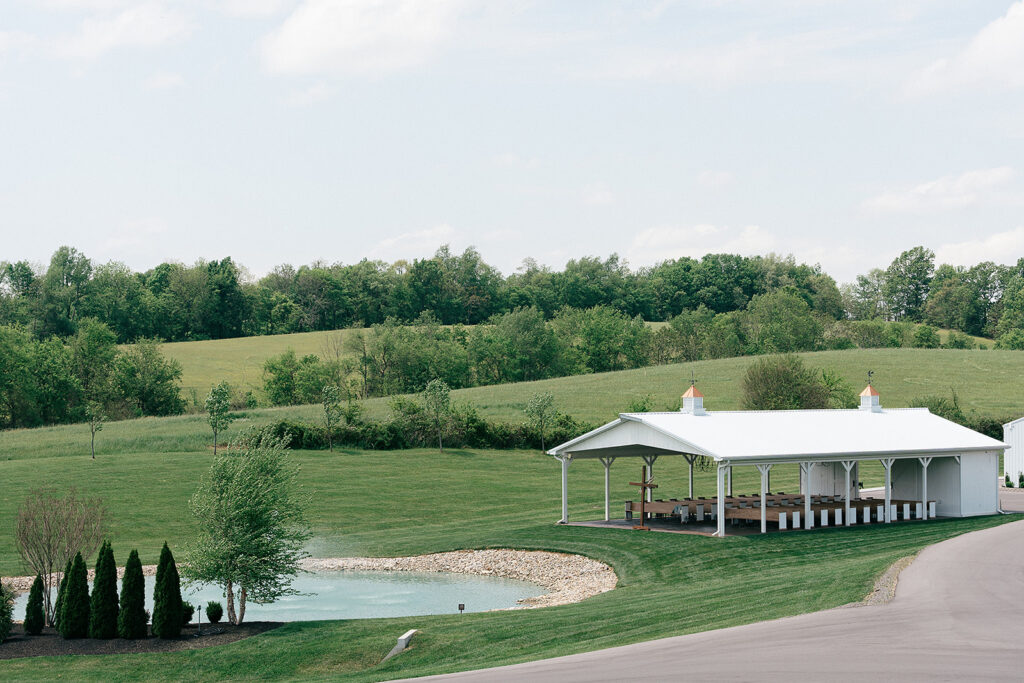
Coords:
294,131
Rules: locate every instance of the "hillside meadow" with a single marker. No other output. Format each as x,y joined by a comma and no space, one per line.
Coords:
389,503
239,361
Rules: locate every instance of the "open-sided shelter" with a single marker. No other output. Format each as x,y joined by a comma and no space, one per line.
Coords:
952,471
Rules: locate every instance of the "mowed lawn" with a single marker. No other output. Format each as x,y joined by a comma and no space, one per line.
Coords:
408,502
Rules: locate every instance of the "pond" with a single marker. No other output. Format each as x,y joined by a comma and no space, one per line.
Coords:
366,595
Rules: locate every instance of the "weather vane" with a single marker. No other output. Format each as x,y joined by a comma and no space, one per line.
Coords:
870,373
693,380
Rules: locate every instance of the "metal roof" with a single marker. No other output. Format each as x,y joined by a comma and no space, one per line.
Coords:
779,435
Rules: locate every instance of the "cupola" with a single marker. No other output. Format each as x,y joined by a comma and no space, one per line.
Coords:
693,402
869,400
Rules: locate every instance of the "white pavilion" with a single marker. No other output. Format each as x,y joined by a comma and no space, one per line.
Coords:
933,467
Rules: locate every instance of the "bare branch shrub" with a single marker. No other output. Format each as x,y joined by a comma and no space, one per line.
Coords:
52,527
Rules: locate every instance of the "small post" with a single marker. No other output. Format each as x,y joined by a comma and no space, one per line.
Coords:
462,606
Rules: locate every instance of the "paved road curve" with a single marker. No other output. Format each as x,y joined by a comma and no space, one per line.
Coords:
956,616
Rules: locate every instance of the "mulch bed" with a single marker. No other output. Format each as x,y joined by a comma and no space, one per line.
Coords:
49,643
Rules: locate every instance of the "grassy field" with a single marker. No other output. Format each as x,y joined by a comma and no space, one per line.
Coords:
240,361
670,584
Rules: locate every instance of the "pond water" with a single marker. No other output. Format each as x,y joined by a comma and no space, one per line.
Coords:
365,595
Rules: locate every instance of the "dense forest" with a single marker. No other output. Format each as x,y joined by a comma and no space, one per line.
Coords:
456,318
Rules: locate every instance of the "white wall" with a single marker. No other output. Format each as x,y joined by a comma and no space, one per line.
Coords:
829,479
944,486
1013,460
979,484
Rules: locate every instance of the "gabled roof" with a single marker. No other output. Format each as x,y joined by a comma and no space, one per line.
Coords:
780,435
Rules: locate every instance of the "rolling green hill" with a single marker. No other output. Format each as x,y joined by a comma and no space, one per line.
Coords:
408,502
240,361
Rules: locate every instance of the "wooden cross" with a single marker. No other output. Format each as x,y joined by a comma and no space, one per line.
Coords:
644,485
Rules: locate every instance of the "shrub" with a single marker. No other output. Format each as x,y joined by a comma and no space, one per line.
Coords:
783,383
34,617
132,617
167,598
214,611
1012,340
6,611
1009,484
103,607
926,337
74,615
58,606
1020,481
188,610
958,340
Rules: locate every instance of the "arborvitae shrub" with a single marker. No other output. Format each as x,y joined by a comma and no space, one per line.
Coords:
188,610
34,617
214,611
167,597
58,606
132,619
103,606
6,611
74,616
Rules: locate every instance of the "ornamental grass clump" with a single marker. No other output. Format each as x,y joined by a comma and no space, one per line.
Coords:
35,619
167,598
103,607
74,614
132,619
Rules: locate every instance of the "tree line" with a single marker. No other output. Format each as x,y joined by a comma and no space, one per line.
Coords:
217,299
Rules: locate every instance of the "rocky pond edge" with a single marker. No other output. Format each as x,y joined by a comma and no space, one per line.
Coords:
566,578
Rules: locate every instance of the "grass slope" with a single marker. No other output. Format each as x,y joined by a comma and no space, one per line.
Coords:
240,361
670,584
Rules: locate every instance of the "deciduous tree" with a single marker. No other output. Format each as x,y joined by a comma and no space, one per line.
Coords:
218,410
250,513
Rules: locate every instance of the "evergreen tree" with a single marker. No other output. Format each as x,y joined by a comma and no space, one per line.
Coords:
34,618
58,606
167,598
103,606
74,617
131,620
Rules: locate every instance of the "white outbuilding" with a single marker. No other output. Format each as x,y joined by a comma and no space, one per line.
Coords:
1013,458
933,467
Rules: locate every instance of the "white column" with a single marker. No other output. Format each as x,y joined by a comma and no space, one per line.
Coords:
887,464
689,461
730,480
649,459
924,486
607,462
805,475
764,470
847,465
565,489
721,500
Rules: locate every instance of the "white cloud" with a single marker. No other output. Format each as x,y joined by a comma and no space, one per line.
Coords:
359,36
714,180
513,160
664,242
165,80
993,58
12,42
1001,247
311,95
409,244
253,8
144,25
947,192
598,195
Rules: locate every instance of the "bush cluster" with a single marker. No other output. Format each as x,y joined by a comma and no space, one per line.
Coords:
214,611
6,611
409,427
